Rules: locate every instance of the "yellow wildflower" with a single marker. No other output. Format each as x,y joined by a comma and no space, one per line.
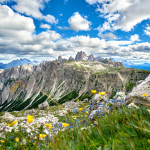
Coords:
102,93
12,123
75,117
17,139
42,136
145,95
87,112
86,116
33,143
2,141
65,124
21,144
78,100
30,119
49,126
148,141
80,109
93,91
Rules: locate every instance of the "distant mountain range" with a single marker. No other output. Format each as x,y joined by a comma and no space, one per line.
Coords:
127,64
80,56
17,62
145,66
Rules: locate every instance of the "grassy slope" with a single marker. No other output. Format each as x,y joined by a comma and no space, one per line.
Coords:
124,129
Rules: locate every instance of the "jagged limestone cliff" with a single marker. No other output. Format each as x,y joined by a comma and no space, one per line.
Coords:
27,86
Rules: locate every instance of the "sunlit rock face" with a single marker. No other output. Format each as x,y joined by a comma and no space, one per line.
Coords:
81,56
137,97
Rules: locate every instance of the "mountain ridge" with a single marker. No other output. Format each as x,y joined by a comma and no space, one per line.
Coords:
27,86
17,62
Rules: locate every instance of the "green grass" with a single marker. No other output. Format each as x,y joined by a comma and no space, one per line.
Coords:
109,69
68,97
9,81
101,72
68,62
144,71
129,85
123,129
85,95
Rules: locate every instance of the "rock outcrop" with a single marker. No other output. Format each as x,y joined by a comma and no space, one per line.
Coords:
136,96
81,56
91,58
43,106
61,60
71,59
118,64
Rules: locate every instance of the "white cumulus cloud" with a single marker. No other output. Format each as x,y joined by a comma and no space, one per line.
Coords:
109,35
51,19
135,38
32,8
45,26
77,22
18,37
147,31
130,12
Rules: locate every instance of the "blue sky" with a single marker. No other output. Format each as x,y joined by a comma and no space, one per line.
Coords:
45,29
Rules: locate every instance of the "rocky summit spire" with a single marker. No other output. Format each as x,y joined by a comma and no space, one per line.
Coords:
81,56
60,58
91,58
71,59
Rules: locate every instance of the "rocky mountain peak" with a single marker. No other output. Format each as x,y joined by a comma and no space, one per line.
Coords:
71,59
91,58
81,56
60,58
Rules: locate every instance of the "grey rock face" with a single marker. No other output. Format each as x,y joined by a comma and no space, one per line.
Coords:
99,59
81,56
136,96
60,58
43,106
71,59
91,58
118,64
112,63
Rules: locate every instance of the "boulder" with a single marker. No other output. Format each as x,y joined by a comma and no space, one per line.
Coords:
136,95
31,111
43,106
